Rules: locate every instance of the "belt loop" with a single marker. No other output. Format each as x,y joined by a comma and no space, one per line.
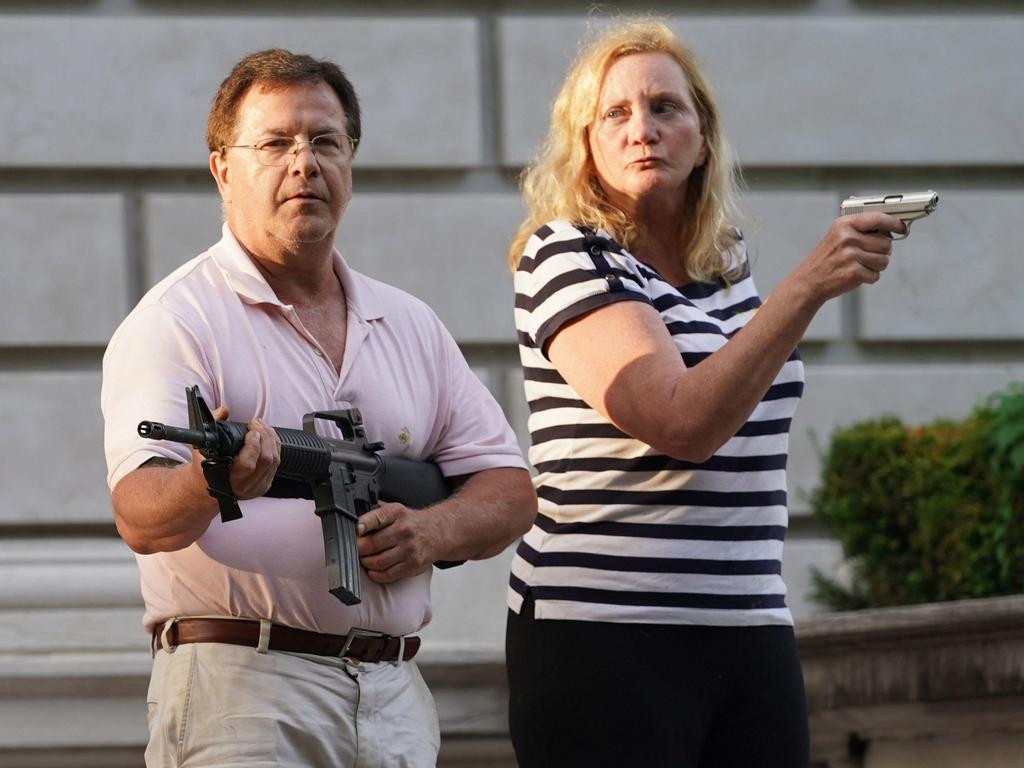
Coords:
164,642
264,643
401,651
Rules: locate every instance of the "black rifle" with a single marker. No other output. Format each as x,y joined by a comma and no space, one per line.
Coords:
346,478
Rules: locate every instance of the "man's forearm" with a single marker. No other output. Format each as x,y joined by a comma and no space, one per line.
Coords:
161,508
489,511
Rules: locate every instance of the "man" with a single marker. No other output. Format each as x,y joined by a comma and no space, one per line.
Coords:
256,664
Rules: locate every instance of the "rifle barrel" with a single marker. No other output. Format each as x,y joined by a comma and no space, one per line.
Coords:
157,431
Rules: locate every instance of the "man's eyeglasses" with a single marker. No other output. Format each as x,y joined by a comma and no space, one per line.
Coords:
282,150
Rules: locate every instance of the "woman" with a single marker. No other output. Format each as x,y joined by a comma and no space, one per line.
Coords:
647,621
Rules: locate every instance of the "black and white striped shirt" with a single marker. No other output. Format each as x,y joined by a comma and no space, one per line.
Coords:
625,533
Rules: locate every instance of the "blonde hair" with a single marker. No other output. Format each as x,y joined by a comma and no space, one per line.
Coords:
561,184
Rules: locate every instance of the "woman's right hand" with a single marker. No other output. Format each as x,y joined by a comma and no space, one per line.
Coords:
854,251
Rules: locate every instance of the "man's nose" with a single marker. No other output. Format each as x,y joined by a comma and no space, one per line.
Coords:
304,160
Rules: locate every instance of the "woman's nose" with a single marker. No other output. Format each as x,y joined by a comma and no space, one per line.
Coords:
642,127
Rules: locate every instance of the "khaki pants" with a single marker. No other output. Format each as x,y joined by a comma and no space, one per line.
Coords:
214,705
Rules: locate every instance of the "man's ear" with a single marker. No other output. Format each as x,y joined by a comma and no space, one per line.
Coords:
219,169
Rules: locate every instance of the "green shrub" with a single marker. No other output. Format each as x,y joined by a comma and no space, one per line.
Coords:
928,513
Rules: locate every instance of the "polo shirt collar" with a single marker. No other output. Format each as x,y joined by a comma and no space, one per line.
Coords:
360,293
246,280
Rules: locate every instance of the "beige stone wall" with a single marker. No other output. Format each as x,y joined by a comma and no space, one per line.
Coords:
103,190
923,686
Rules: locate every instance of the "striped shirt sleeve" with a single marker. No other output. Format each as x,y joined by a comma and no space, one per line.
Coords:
566,272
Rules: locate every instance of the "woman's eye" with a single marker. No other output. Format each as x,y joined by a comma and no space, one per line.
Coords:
615,113
665,107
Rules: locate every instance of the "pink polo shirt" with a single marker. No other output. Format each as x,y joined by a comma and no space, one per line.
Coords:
216,322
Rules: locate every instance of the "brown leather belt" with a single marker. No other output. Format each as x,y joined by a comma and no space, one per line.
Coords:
358,645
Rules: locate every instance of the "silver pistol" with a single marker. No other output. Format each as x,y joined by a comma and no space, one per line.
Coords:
907,207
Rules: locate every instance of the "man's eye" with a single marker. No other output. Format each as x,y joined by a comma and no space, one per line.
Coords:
275,145
665,107
615,113
331,141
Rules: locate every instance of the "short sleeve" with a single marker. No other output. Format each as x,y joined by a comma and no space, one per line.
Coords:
149,362
476,435
566,272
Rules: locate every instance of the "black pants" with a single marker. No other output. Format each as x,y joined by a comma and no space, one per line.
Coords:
603,694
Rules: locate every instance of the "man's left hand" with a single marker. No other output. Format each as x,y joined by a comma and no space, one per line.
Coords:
396,542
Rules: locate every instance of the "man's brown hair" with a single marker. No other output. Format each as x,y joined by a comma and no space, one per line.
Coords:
276,67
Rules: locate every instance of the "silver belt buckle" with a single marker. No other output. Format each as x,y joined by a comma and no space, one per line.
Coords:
353,633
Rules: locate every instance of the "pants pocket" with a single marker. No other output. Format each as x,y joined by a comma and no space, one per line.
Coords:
167,706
